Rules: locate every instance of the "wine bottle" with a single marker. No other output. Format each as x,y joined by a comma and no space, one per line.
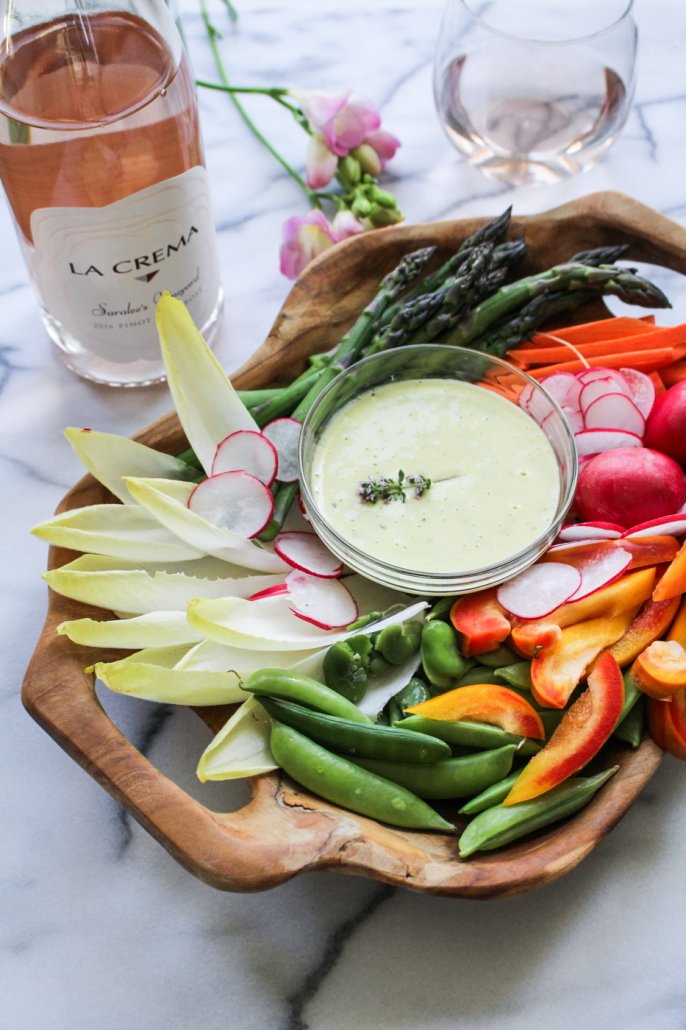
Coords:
102,163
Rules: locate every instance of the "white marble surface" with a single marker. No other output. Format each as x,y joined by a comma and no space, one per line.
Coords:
100,928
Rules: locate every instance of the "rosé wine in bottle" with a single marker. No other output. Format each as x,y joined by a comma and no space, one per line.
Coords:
102,163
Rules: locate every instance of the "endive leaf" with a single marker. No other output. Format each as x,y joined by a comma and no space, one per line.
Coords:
213,657
118,530
202,568
157,629
109,458
267,623
138,592
241,748
207,404
167,500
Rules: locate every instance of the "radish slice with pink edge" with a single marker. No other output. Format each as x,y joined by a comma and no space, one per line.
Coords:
275,591
534,403
591,531
575,419
326,603
615,411
598,388
563,387
588,375
594,441
235,501
284,433
641,389
667,525
600,570
303,509
306,552
539,590
247,451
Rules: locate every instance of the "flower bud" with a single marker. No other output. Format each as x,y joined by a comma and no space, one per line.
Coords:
368,159
348,172
381,216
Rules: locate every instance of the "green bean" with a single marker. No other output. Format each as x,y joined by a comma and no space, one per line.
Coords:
501,825
450,778
355,738
338,780
468,734
491,796
630,729
345,667
498,658
441,657
364,620
516,675
398,642
291,686
477,674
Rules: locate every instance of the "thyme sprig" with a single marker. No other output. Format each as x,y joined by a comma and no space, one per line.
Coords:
387,489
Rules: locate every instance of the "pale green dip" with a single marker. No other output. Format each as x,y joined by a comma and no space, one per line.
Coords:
495,479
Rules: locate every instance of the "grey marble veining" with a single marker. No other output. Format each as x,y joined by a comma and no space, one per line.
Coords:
100,929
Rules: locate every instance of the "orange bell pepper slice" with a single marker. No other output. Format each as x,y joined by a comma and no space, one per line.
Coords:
667,724
481,620
660,670
673,582
484,702
628,592
678,630
581,734
651,623
557,671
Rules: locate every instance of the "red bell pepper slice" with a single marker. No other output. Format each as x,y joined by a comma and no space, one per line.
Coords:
581,734
651,623
667,724
481,620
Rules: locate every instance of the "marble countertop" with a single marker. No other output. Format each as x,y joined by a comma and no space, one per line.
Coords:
100,927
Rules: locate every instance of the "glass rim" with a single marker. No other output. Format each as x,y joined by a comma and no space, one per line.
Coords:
404,578
567,41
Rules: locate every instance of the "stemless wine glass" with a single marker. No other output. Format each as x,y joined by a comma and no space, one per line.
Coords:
534,90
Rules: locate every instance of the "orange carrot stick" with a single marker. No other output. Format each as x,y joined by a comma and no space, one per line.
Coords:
603,329
673,374
658,380
671,336
645,361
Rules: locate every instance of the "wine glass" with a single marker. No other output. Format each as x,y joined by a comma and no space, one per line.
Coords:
534,90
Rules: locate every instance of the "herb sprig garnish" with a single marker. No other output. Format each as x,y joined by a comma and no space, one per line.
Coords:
387,489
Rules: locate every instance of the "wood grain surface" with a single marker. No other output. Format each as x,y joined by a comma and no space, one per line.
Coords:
284,830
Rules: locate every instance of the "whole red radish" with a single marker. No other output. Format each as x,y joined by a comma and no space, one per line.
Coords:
629,485
666,425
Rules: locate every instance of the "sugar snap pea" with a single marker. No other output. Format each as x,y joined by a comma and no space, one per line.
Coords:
345,667
477,674
498,658
364,620
516,675
441,658
441,609
414,693
356,738
449,778
377,663
399,641
292,686
468,734
491,796
630,729
338,780
501,825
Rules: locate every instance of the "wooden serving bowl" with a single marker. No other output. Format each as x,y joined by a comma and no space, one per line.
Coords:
284,830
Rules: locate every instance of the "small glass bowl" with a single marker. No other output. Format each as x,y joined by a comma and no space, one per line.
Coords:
435,361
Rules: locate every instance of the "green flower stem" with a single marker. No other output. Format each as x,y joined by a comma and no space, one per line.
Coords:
214,35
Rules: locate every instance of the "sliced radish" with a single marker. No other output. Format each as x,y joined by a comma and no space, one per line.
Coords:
593,441
642,389
598,388
668,525
303,509
574,550
590,374
600,571
279,588
615,411
539,590
575,419
235,501
534,403
284,433
564,387
247,451
305,551
326,603
591,531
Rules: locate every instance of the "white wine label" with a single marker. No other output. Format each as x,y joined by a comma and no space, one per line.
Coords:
101,270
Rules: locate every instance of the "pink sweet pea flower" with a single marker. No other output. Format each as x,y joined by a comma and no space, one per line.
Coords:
343,119
385,145
321,163
345,224
304,237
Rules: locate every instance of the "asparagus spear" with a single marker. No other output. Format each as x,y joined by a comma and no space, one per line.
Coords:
509,333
